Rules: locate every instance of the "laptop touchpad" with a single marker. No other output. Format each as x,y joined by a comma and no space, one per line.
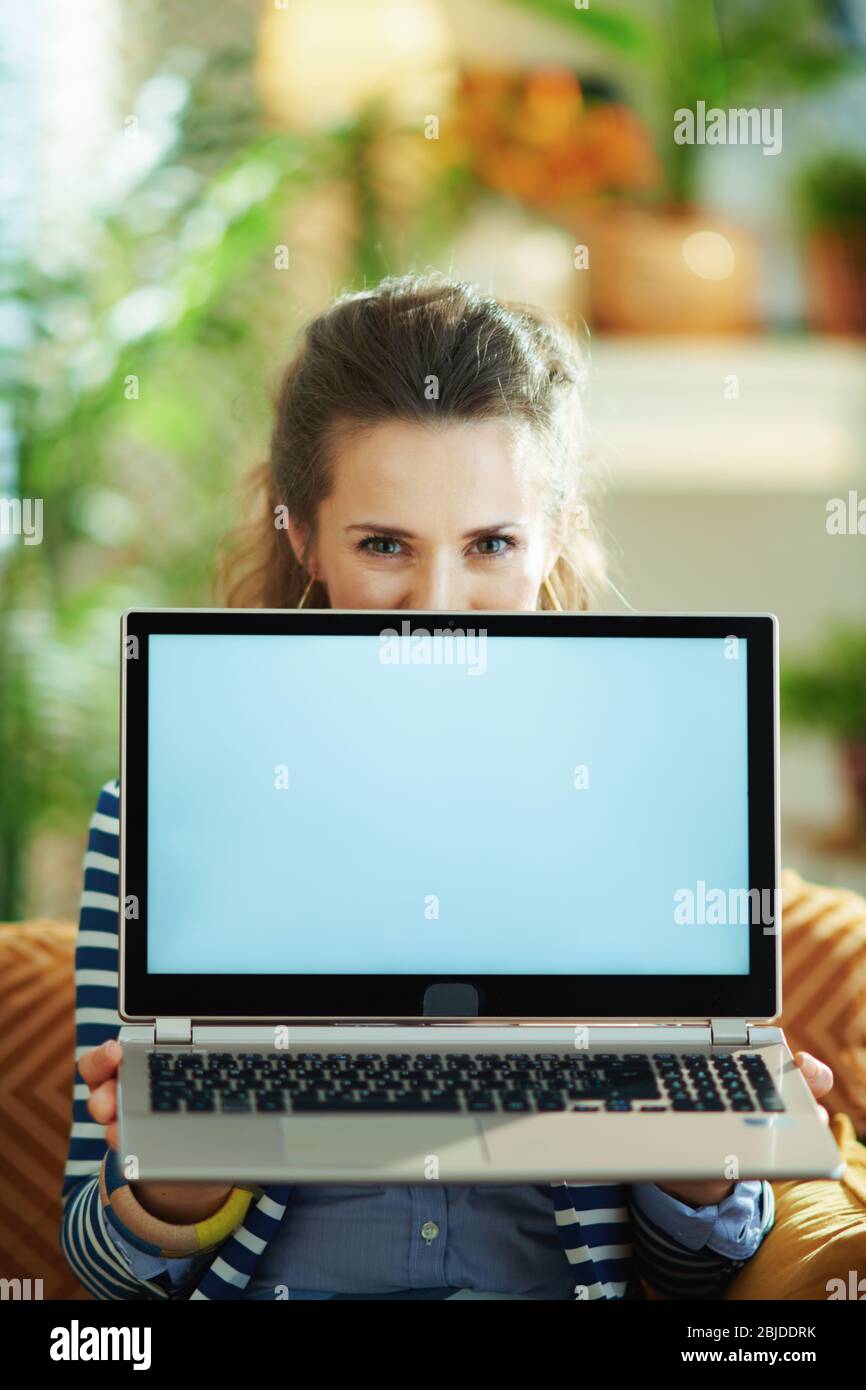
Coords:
408,1148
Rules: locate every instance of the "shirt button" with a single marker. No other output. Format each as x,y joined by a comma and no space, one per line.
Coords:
429,1231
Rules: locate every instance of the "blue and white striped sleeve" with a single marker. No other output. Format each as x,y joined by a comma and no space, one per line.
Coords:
90,1252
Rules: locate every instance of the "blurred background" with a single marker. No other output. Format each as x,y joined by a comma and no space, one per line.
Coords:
184,186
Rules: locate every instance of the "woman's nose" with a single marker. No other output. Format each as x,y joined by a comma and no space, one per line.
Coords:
436,587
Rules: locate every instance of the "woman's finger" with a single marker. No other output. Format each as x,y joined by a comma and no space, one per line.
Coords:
817,1074
102,1102
100,1063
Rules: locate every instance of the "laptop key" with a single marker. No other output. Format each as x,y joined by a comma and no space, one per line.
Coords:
235,1104
271,1101
305,1104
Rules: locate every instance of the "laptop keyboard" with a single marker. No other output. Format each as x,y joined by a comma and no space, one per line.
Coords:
203,1082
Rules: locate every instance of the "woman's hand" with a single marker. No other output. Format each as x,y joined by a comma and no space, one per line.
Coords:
99,1069
818,1076
184,1202
703,1194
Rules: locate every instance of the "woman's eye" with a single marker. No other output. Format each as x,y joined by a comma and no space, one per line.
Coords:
372,543
501,544
388,547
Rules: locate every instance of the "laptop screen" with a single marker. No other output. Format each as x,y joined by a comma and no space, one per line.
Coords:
359,804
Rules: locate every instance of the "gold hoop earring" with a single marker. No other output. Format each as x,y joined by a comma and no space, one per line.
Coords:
548,589
306,594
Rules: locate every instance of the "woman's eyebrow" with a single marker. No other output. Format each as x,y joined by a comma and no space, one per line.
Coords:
382,526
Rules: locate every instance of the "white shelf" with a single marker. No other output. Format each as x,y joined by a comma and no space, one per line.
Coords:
660,419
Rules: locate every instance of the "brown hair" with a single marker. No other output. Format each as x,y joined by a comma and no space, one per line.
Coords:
418,348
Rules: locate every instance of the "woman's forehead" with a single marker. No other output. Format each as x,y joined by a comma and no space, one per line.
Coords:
478,459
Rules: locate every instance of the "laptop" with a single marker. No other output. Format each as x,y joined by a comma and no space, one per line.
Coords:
483,897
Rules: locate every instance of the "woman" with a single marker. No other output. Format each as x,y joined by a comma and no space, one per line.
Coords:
426,455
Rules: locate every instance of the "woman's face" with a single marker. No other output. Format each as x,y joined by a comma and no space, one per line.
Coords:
434,517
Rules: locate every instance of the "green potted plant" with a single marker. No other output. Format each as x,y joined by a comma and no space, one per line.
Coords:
832,197
661,263
827,693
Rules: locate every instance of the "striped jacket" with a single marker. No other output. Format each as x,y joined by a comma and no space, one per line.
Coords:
609,1243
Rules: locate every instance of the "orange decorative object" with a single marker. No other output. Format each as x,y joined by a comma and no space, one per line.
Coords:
535,137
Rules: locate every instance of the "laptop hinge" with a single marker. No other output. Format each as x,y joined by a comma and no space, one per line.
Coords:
729,1031
172,1030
